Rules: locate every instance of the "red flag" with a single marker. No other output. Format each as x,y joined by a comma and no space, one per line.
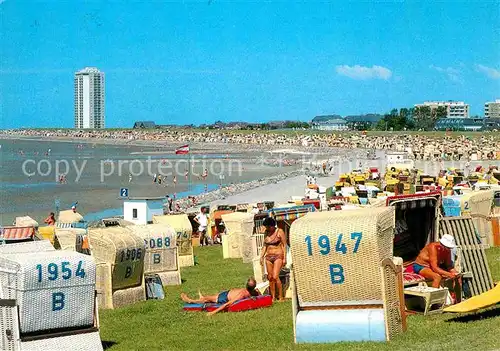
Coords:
184,149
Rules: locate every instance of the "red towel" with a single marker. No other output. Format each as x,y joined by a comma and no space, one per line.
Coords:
409,269
412,277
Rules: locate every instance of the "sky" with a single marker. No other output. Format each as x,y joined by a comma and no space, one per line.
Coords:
199,62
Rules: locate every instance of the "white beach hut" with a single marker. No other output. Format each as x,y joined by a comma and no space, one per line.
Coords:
140,210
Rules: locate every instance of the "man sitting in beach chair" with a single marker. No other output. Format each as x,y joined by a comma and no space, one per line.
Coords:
226,297
434,261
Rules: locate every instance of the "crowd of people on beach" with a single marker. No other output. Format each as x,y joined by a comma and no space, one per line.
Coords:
420,146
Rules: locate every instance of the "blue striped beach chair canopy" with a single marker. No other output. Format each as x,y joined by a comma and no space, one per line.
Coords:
290,213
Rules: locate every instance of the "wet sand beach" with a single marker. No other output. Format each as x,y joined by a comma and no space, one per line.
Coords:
29,181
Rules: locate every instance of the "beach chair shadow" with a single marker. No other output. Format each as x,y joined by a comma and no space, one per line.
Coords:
487,314
107,344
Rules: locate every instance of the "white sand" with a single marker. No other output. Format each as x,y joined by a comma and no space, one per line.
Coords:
279,193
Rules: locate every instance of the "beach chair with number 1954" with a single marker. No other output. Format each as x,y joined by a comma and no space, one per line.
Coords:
47,299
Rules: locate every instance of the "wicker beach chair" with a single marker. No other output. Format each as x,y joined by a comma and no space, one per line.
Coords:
119,256
182,226
237,241
66,238
161,255
480,207
16,234
343,261
257,244
26,221
69,219
47,299
26,247
46,233
259,271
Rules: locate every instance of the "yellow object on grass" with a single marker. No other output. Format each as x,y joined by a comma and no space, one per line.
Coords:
487,299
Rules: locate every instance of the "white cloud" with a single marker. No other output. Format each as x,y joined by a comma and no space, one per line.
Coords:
489,71
452,73
361,72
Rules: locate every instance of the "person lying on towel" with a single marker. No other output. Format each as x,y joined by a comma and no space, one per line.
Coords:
226,297
434,261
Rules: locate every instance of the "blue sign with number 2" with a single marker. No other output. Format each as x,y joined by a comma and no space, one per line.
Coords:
124,192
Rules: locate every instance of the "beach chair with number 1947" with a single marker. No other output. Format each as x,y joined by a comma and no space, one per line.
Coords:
346,284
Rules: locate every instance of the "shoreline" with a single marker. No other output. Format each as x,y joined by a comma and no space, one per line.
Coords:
225,192
194,145
215,196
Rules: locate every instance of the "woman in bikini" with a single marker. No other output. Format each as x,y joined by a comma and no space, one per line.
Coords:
273,255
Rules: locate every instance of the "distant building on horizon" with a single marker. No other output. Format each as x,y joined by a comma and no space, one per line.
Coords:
329,122
454,109
144,125
492,109
461,124
339,123
89,99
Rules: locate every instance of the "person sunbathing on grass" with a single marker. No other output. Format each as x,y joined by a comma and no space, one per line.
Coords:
226,297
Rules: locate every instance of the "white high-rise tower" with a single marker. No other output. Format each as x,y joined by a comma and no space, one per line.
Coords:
89,98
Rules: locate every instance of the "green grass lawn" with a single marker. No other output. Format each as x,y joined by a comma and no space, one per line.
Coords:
162,325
